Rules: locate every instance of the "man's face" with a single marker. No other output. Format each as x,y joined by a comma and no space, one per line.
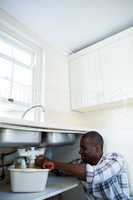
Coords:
88,150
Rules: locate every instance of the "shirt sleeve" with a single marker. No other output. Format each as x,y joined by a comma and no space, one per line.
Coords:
109,167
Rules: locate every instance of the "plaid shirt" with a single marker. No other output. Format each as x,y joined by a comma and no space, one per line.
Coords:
107,180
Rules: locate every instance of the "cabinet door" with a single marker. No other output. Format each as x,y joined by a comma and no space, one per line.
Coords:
76,82
116,63
85,82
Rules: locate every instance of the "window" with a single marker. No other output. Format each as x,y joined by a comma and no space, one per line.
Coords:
16,71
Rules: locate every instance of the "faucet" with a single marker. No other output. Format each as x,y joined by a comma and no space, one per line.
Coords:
31,154
32,107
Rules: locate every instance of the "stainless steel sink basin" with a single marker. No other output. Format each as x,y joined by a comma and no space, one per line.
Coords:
14,137
58,138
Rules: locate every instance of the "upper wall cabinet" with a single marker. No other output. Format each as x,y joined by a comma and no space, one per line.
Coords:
116,66
86,88
102,73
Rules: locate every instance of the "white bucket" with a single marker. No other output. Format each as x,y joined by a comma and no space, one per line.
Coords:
28,180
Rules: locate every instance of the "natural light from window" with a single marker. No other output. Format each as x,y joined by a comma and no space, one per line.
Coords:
16,71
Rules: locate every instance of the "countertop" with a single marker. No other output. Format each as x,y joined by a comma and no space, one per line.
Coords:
55,186
37,126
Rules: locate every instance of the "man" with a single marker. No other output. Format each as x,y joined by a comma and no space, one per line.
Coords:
103,176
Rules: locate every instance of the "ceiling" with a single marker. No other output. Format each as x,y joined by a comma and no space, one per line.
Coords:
72,25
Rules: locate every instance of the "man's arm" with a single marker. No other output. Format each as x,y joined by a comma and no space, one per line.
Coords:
78,170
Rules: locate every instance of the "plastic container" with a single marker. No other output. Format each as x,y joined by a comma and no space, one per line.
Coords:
28,180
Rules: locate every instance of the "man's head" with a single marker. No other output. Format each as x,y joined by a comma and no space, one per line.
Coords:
91,147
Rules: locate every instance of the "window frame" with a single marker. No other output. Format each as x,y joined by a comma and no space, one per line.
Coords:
28,44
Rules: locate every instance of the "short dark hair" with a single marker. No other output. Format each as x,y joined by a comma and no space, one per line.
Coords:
96,136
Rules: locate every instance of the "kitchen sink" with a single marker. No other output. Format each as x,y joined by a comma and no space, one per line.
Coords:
16,137
58,139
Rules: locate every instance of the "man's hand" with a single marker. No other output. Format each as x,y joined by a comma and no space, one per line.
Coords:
48,164
40,160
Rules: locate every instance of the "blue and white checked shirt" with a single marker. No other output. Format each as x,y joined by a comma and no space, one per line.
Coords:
108,180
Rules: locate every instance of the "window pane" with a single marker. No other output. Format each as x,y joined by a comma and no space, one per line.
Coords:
22,56
22,93
5,68
22,84
4,88
16,77
22,75
5,48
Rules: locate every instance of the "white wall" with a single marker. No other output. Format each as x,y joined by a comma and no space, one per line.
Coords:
56,80
56,90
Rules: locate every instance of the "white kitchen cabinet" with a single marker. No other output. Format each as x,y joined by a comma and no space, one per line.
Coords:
102,74
116,65
85,82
